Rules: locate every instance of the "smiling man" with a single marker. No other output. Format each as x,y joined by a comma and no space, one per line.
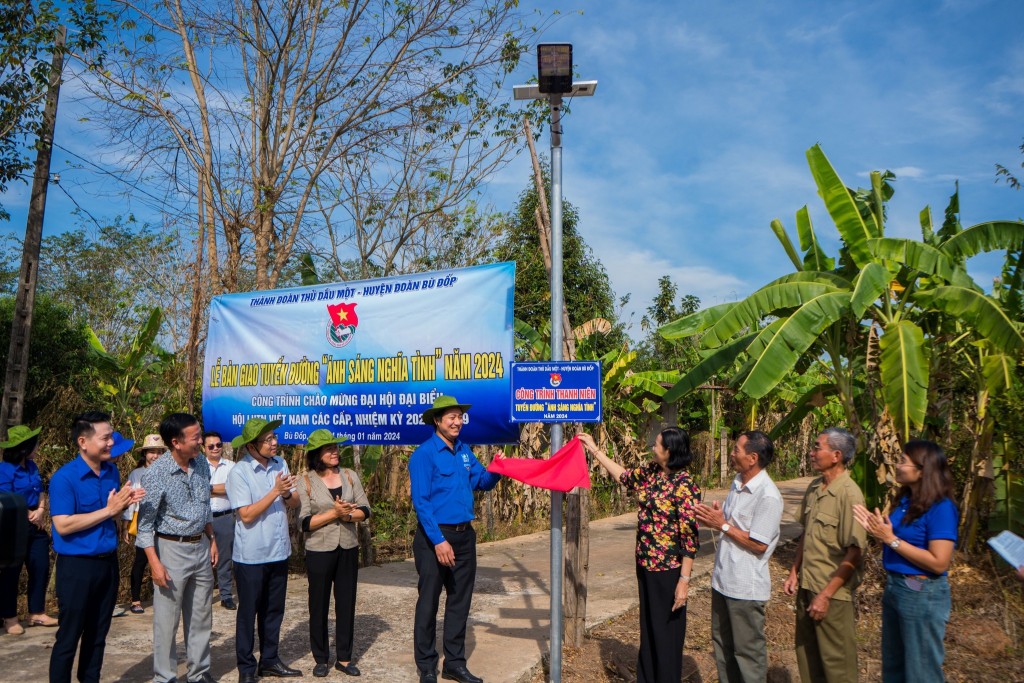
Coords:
176,533
84,502
741,583
444,473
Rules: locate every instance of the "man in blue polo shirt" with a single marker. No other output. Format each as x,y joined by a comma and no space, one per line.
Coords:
444,473
84,502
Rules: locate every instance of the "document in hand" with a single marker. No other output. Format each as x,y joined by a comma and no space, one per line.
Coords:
1010,546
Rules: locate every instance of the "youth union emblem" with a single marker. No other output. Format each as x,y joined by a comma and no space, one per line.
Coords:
344,322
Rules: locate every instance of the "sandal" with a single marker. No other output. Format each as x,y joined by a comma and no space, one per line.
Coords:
41,620
137,608
13,627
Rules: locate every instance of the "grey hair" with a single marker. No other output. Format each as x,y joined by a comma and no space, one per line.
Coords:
843,441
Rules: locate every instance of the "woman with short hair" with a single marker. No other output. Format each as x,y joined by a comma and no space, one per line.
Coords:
919,536
331,504
20,475
666,543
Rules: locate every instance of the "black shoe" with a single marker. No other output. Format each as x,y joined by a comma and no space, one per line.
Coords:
321,670
205,678
278,670
228,604
461,674
428,677
248,678
349,669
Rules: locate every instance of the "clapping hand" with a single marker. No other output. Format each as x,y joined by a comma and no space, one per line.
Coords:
342,509
875,523
285,483
710,516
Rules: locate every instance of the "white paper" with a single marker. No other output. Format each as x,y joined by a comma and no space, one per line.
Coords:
1010,546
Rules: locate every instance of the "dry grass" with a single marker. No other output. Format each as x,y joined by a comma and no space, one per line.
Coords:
983,639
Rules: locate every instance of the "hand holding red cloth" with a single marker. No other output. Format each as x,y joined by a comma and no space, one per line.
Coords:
563,471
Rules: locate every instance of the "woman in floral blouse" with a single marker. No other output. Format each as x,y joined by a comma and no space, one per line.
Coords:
666,543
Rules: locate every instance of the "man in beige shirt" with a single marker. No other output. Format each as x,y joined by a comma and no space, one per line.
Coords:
826,569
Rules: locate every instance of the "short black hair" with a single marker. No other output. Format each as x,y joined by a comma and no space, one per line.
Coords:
16,455
207,435
760,443
85,423
677,443
174,425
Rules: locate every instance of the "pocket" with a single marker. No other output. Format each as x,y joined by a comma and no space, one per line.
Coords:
446,468
826,528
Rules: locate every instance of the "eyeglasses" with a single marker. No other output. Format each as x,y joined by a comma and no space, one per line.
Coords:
213,446
268,439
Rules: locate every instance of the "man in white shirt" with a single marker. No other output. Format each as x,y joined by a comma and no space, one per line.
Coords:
222,515
741,583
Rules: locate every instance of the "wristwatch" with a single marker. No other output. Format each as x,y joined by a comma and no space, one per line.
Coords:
725,527
895,543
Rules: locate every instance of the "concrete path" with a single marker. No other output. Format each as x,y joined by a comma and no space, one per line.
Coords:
508,628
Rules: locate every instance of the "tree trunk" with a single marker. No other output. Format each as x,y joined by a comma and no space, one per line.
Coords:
577,566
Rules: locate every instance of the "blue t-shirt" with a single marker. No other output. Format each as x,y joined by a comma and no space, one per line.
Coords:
75,489
939,522
25,481
443,480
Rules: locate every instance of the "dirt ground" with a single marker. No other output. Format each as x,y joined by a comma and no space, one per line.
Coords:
983,639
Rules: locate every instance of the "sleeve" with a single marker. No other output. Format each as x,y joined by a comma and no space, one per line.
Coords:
689,534
419,480
305,508
238,489
148,508
6,477
764,527
62,496
850,532
361,501
943,520
632,479
482,479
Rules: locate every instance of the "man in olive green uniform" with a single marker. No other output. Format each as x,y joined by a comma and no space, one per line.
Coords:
826,569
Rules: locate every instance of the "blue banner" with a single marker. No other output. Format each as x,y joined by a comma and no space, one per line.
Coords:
365,359
556,391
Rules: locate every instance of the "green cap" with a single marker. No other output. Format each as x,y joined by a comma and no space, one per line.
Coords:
19,434
441,404
254,428
321,438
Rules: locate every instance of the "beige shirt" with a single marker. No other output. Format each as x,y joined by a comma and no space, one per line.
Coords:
829,529
318,499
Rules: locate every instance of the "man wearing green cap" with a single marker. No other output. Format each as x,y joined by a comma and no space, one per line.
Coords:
444,473
260,489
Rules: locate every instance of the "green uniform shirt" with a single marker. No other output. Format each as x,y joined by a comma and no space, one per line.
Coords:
829,529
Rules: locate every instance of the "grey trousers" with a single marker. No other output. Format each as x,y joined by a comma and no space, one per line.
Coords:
737,631
186,597
224,532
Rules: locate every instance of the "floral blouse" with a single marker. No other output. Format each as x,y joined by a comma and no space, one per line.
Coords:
666,529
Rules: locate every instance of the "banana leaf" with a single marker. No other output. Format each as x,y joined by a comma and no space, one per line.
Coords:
841,206
903,364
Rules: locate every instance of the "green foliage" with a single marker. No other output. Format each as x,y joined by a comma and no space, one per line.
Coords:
588,294
26,52
58,352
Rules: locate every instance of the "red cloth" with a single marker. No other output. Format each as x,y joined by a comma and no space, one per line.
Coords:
563,471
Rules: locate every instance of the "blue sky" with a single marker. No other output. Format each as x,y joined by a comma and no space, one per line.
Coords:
697,135
695,140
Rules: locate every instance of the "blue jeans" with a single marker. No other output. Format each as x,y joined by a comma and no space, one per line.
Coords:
914,616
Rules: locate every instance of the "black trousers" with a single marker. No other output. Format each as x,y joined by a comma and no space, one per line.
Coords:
37,561
458,582
138,567
86,594
662,630
336,569
261,593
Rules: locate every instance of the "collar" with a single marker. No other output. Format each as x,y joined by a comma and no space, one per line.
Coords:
167,463
441,445
255,465
81,468
756,482
830,489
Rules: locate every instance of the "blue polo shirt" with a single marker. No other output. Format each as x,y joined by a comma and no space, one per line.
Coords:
75,489
939,522
25,481
443,480
266,539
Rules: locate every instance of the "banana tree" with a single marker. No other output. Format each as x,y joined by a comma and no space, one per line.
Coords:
870,315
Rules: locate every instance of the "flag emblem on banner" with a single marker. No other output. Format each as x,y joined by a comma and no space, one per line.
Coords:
344,322
556,379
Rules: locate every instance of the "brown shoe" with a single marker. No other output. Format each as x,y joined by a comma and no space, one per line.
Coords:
13,626
41,620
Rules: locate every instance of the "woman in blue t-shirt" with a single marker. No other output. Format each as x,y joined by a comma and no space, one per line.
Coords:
19,474
919,537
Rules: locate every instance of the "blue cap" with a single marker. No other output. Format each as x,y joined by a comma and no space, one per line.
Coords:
121,446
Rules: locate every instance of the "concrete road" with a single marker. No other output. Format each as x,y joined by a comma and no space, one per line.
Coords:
508,629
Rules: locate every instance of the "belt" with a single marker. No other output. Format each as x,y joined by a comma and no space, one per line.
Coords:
919,577
222,513
179,539
461,526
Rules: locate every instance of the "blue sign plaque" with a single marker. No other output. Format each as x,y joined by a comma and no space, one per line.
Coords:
556,391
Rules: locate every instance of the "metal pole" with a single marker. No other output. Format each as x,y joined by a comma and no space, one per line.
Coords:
556,355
